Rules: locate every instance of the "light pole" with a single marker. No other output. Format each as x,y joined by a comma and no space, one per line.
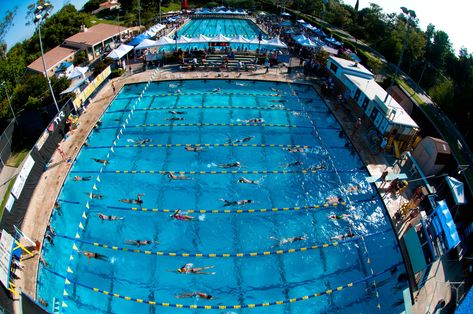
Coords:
411,16
139,13
9,100
41,13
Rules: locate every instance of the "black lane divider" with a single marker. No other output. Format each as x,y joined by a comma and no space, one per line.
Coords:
143,300
165,172
219,124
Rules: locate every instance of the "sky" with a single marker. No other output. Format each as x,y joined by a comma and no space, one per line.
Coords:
455,17
19,31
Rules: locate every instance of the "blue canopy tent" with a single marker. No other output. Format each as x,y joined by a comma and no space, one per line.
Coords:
285,24
466,306
444,227
138,39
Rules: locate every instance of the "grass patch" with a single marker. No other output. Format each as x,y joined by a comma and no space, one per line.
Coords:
17,157
411,92
5,197
171,7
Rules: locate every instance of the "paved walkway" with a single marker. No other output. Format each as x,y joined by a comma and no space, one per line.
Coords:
41,206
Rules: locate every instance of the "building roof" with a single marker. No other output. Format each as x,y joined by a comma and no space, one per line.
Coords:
52,58
96,34
351,66
375,92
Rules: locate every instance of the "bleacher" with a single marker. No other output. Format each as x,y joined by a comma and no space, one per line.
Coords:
219,62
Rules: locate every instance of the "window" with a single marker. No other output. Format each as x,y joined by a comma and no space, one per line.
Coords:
365,103
333,67
357,95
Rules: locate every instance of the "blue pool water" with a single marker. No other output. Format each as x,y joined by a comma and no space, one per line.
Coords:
215,26
139,281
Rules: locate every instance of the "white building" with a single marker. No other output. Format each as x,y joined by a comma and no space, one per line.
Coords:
358,83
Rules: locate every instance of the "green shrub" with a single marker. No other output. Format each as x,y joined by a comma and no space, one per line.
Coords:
116,73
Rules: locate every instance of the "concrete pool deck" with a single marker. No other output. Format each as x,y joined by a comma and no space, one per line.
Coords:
42,203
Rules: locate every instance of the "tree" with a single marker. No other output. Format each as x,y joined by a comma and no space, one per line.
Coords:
5,25
443,94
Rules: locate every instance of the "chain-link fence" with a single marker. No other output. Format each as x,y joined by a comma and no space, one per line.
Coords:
6,143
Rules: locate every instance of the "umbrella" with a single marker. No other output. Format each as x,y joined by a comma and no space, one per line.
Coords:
301,21
285,14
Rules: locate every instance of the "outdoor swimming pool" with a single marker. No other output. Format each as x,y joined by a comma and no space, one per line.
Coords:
254,273
215,26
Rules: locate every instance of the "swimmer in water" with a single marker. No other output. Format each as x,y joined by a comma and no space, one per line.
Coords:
79,178
190,269
175,119
195,294
142,142
138,200
194,148
295,164
94,255
243,140
334,199
216,90
230,165
172,176
296,149
102,161
140,242
247,181
316,168
95,196
176,112
254,120
108,217
233,203
178,216
338,217
350,234
352,189
284,241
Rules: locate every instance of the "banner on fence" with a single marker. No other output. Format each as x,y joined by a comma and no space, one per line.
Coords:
22,176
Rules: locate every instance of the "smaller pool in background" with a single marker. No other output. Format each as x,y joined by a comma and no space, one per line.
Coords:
227,27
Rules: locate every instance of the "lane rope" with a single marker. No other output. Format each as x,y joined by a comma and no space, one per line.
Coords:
217,124
218,255
164,172
224,307
277,108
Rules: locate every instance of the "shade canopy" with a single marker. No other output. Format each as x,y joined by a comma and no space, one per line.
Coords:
276,42
78,72
240,40
164,41
444,226
120,52
183,40
201,39
138,39
220,38
147,43
457,189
